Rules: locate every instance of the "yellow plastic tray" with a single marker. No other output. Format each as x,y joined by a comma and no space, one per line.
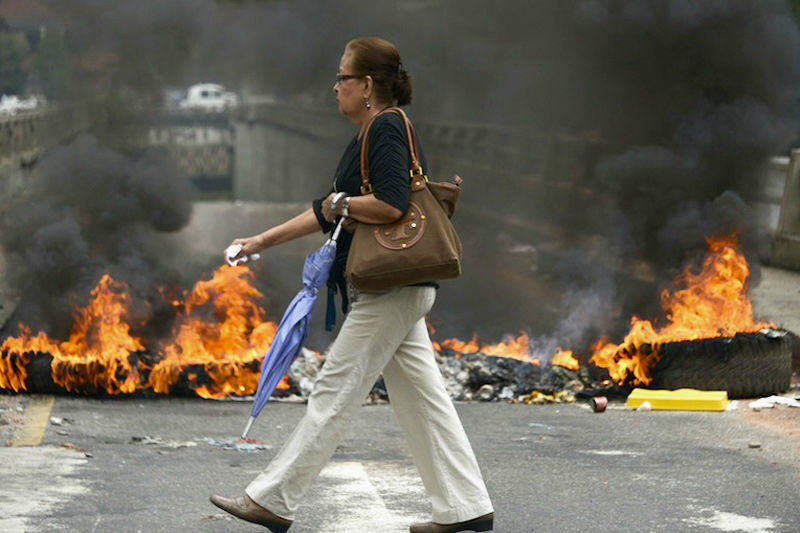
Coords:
680,400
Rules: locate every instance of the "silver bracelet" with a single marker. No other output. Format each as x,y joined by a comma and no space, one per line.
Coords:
336,199
346,207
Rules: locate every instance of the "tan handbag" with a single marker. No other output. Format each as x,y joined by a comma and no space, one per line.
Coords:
422,246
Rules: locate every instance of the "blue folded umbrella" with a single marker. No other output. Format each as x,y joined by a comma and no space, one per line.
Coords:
293,328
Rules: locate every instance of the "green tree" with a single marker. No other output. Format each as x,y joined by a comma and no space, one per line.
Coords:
52,63
13,50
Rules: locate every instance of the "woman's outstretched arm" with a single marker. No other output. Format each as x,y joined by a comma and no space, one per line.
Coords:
303,224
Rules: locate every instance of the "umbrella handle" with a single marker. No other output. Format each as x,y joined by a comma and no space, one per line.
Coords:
336,231
247,428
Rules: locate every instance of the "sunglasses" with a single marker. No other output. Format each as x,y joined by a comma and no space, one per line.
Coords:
344,77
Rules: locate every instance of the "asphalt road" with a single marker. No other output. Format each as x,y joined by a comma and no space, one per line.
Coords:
548,468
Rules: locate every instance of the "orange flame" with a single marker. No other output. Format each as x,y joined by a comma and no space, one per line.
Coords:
710,303
220,329
230,346
513,348
96,353
565,358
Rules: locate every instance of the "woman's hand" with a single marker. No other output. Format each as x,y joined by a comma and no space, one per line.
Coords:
250,245
329,215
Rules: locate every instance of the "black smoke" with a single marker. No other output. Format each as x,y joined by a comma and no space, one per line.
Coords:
89,210
679,104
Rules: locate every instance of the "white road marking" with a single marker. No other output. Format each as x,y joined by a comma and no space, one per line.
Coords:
613,453
724,521
350,487
34,480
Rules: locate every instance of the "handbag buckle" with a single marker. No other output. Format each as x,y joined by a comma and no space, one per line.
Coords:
419,172
366,189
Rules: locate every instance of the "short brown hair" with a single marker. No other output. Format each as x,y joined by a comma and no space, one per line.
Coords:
376,57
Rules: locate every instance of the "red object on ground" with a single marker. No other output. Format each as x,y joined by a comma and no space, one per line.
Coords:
598,404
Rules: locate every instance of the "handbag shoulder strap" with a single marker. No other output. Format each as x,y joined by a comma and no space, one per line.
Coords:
411,137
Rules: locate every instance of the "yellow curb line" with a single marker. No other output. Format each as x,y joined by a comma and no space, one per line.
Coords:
34,420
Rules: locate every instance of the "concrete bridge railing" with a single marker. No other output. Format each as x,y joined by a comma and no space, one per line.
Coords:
24,137
281,153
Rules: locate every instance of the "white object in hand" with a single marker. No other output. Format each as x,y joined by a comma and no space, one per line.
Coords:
232,250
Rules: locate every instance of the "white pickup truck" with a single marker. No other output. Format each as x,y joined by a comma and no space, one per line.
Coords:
208,97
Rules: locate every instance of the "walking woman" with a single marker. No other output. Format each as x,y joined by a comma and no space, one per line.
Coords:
383,331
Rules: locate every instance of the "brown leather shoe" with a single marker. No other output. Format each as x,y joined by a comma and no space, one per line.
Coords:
246,509
482,523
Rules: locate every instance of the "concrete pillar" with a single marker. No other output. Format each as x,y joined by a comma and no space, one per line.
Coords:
286,155
786,245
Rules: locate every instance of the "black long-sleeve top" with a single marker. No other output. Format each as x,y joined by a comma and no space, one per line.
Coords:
389,163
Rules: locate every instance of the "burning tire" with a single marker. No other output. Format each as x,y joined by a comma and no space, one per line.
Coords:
746,365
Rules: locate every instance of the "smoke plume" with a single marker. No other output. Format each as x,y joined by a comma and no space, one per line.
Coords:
89,210
679,105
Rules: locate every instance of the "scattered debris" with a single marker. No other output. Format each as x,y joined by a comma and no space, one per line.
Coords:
62,432
56,421
645,406
537,397
304,371
598,404
87,454
724,521
10,417
292,398
614,453
771,401
754,445
507,393
68,445
240,445
485,393
219,516
161,443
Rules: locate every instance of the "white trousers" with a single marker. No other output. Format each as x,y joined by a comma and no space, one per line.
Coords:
382,332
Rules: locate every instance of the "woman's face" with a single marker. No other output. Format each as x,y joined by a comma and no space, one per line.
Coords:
349,93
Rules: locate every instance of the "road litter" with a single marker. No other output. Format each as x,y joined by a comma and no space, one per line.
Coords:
645,406
724,521
771,401
161,443
58,421
679,400
219,516
537,397
240,445
598,404
754,445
